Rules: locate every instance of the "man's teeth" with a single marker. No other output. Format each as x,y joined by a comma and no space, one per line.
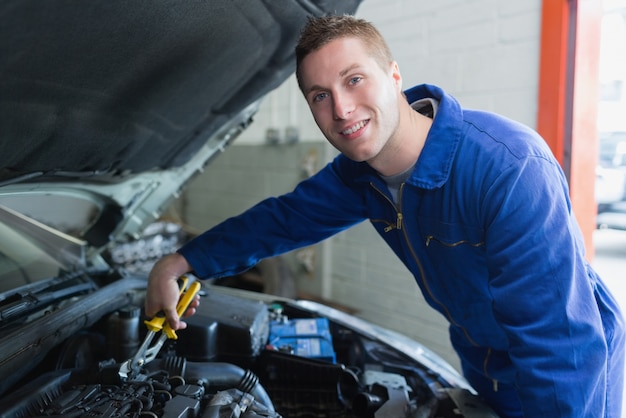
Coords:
354,128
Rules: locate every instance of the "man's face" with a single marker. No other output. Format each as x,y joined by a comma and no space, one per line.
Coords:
354,101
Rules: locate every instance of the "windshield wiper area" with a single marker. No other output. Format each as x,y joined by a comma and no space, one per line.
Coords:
66,249
41,295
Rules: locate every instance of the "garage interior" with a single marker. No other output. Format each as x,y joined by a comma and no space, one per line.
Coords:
534,61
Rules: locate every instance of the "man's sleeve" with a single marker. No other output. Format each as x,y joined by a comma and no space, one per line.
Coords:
318,208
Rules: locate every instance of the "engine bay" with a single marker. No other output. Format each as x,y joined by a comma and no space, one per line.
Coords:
238,357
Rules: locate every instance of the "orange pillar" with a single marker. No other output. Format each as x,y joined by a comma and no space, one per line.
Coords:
568,98
553,74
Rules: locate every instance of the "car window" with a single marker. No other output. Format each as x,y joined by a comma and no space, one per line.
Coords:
612,149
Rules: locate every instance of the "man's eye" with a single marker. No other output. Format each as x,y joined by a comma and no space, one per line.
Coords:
319,97
355,80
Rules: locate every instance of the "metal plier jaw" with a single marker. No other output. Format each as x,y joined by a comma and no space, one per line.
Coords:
148,351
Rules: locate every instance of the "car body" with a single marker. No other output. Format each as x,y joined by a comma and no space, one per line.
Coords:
108,109
611,180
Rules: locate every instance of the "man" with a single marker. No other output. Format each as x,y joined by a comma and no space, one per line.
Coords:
474,205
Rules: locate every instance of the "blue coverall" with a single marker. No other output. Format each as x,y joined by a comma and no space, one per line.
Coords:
485,224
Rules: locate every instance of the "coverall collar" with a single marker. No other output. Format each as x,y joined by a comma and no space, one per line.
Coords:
435,161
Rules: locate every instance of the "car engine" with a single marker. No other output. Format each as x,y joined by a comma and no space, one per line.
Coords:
238,357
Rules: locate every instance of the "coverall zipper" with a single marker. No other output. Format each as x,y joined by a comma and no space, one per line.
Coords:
398,226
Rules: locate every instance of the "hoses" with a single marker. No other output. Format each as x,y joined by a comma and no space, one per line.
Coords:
222,376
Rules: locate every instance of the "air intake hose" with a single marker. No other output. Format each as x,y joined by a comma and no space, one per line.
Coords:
222,376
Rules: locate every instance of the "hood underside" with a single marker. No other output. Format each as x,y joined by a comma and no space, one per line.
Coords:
116,87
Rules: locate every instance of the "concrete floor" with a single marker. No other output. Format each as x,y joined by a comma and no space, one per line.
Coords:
610,262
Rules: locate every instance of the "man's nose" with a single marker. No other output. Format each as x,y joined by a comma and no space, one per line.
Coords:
342,106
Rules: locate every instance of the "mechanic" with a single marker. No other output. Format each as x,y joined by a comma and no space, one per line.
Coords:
474,204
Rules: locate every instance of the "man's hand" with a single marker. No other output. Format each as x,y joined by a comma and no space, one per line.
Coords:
163,292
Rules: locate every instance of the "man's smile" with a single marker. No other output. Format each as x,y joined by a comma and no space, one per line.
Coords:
354,128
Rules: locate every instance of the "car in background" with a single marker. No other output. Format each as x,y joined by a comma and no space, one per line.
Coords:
611,181
108,108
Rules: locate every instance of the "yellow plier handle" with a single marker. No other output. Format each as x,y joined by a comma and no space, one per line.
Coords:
148,351
158,323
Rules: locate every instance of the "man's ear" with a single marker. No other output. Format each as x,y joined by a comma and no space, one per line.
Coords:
395,74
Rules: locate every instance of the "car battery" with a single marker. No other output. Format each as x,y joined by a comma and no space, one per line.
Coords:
304,337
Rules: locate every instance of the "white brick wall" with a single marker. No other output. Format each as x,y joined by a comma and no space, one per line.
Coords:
485,52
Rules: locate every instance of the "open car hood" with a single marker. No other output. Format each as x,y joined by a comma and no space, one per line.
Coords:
120,103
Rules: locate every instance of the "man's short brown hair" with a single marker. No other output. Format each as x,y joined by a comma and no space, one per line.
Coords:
319,31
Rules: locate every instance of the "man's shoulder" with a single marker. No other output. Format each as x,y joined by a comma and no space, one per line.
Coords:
486,127
351,171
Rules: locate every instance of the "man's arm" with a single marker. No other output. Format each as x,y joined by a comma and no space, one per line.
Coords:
318,208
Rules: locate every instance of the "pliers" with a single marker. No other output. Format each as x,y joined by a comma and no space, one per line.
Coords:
147,352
